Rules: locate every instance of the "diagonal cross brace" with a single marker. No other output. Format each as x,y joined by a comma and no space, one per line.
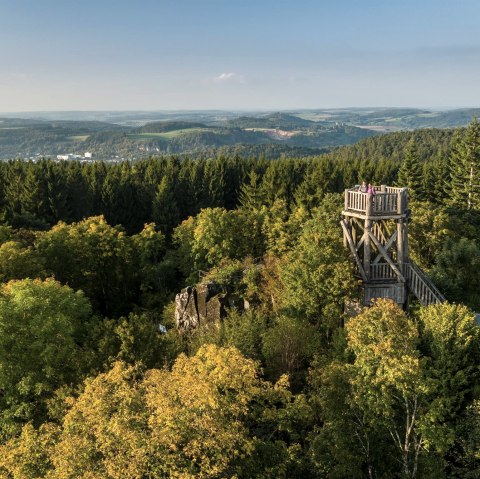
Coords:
382,251
353,250
387,247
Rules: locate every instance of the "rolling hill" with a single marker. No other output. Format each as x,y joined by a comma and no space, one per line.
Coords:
132,135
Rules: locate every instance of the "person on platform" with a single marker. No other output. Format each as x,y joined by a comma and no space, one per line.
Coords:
363,187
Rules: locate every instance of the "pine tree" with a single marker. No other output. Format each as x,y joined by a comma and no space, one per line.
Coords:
251,195
165,211
410,173
428,181
465,168
441,179
34,191
77,194
57,206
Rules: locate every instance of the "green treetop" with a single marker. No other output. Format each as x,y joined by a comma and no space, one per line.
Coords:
465,168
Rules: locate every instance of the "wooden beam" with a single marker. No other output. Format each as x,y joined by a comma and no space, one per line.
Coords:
387,229
367,250
362,227
353,250
376,216
378,229
359,245
358,223
382,251
387,247
400,244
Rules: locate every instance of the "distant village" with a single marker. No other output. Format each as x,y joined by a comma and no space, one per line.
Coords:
87,156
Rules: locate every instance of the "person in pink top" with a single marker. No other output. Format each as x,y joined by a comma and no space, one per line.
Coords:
371,189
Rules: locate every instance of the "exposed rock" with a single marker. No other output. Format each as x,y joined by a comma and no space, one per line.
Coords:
199,305
186,315
216,308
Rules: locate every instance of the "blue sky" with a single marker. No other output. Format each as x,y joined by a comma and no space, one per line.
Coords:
238,54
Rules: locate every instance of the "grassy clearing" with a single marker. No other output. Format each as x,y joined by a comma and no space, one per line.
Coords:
314,116
78,137
168,134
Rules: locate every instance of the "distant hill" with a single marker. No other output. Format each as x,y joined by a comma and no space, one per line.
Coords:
166,126
394,118
272,120
142,134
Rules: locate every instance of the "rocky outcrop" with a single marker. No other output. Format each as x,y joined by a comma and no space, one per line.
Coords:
201,304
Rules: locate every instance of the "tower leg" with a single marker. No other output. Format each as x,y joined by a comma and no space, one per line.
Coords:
367,249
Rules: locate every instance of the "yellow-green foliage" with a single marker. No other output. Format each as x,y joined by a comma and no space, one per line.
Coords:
190,422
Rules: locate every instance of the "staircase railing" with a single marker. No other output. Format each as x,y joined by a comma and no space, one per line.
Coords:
421,286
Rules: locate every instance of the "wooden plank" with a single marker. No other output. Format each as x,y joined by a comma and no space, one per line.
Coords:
353,250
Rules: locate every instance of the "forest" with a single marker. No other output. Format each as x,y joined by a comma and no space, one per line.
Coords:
98,382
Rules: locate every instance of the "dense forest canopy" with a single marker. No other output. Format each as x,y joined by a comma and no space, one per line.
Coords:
96,380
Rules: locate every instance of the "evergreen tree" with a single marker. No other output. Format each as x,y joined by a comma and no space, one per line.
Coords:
410,173
56,191
165,212
34,191
14,178
251,197
437,178
465,168
77,194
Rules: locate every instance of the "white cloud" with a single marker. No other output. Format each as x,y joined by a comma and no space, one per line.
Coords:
229,77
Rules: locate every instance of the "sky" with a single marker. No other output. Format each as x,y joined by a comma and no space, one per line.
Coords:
238,54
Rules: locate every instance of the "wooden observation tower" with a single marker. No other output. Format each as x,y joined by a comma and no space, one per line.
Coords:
375,228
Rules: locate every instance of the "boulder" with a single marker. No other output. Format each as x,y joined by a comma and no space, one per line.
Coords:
186,314
200,304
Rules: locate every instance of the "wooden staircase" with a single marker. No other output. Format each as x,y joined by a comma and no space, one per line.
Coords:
421,286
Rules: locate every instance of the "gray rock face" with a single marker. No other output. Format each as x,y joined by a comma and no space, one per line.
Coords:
199,305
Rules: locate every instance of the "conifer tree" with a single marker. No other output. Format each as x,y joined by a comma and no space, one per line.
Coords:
251,194
437,178
410,173
165,212
77,194
273,185
57,207
465,168
428,181
33,197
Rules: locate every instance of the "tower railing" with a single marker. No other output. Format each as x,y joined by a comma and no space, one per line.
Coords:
387,200
382,271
